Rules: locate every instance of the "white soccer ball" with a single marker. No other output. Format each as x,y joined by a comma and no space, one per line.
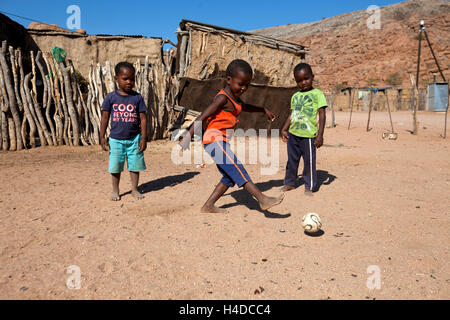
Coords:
311,222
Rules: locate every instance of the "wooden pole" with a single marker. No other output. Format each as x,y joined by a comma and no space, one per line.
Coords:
11,95
70,105
414,105
59,127
5,139
37,107
370,109
350,104
46,99
333,118
12,135
389,110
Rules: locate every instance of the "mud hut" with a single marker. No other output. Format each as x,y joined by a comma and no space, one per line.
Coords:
203,53
94,56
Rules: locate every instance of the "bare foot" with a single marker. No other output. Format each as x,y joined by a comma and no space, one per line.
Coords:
308,193
137,195
213,209
270,202
115,196
287,188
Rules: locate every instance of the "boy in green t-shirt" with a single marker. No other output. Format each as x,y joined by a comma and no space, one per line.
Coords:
301,131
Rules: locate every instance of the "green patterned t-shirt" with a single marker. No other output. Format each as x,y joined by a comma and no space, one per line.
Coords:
304,107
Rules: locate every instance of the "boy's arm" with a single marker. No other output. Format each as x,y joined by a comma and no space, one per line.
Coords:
251,108
322,119
284,130
143,142
218,103
103,126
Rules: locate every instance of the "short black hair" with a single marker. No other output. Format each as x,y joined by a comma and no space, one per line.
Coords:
124,64
239,65
302,66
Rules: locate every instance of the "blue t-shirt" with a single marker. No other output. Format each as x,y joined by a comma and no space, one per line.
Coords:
125,120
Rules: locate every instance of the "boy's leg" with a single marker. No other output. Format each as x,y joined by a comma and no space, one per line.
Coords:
209,206
309,169
294,154
135,164
265,202
115,178
134,185
115,166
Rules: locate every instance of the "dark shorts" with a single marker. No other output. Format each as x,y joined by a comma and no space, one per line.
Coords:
230,167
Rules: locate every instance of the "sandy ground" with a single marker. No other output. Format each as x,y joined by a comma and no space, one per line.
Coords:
385,205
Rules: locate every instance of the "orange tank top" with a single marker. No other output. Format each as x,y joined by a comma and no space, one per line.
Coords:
218,123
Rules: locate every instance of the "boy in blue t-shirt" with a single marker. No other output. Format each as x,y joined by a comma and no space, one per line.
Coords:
128,135
302,132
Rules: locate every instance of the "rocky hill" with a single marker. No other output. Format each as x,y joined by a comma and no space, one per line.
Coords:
344,51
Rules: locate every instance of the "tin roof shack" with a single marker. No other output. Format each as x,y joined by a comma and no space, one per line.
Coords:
437,96
204,52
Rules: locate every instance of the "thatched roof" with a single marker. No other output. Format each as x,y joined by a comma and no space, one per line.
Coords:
186,25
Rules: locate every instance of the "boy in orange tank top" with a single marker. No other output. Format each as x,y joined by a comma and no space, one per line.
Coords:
221,116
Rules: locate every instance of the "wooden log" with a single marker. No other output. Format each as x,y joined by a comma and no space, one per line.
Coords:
85,133
14,67
26,108
65,112
46,99
414,104
154,107
183,49
70,105
11,94
100,87
146,87
110,84
4,93
5,138
32,109
38,107
23,129
12,135
56,98
95,129
93,101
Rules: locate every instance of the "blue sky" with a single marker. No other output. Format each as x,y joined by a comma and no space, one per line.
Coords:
161,18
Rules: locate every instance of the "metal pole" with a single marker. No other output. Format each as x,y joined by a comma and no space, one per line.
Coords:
434,56
418,54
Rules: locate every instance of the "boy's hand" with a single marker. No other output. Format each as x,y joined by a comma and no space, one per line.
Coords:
103,143
318,141
185,142
142,144
270,115
284,136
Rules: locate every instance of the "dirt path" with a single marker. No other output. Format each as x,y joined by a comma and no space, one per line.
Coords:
383,203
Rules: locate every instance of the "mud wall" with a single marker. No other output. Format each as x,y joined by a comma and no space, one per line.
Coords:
84,49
